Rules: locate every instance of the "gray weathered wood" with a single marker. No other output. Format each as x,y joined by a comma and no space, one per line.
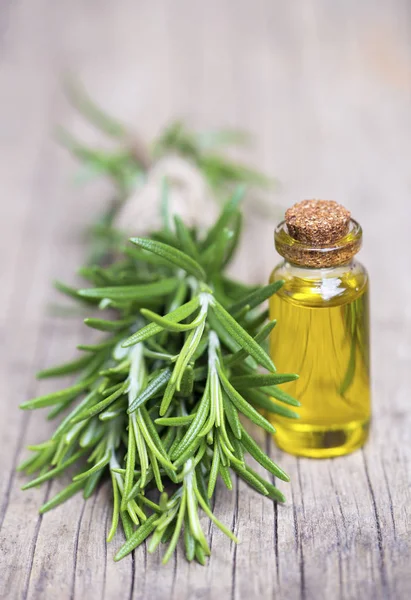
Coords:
325,87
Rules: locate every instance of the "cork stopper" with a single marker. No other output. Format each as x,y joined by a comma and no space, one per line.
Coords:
318,234
317,222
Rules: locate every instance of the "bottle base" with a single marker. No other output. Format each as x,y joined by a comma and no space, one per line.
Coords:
321,441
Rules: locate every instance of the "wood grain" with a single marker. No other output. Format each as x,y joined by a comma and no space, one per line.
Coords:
325,89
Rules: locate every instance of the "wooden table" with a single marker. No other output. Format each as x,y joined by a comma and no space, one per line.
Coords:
325,87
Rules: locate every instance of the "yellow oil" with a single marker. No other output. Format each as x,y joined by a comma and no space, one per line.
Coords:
323,335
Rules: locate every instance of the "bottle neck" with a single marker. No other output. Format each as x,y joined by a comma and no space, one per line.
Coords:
308,272
302,255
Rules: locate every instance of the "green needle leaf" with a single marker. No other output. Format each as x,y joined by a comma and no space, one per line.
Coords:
71,292
152,389
214,519
254,449
91,484
250,478
168,325
227,214
213,257
278,394
257,297
156,446
55,397
263,401
116,508
100,406
184,236
172,255
242,337
66,368
225,476
180,313
130,293
99,465
247,381
242,405
234,241
189,541
108,342
53,472
273,492
105,325
62,496
175,421
177,529
213,472
196,425
137,537
241,354
128,525
189,348
168,397
232,417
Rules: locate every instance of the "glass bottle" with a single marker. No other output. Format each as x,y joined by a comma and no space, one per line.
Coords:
322,332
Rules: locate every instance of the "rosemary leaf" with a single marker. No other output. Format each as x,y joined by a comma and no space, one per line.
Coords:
172,255
55,397
65,369
242,337
131,292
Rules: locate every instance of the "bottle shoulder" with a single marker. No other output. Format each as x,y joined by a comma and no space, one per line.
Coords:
321,287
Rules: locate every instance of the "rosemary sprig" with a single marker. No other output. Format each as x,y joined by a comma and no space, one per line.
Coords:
157,404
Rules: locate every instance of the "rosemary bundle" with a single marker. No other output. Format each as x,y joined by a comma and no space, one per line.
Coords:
161,394
158,404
